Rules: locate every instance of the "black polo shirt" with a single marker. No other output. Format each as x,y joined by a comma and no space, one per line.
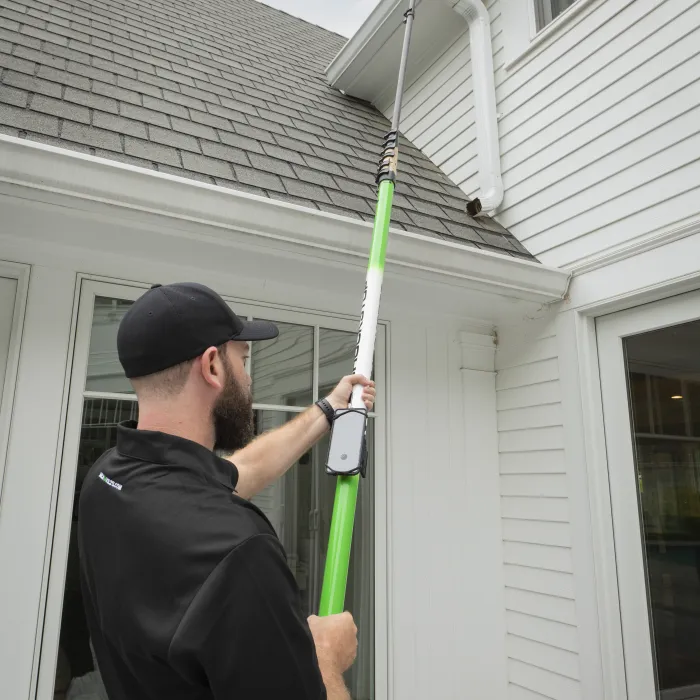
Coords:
186,586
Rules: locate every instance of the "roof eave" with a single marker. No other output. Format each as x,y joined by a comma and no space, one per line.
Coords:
371,35
87,177
366,67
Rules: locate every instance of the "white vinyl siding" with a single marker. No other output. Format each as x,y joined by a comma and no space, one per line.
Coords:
438,108
541,622
599,127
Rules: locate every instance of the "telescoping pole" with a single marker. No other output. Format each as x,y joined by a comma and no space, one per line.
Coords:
347,452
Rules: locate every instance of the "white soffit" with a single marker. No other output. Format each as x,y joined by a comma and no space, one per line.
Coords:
367,66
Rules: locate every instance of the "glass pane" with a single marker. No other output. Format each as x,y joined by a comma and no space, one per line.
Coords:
300,507
669,412
359,597
8,290
639,384
663,367
282,368
336,351
104,372
692,390
75,672
548,10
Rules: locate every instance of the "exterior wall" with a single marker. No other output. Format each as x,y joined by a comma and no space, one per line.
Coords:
542,642
563,615
447,576
432,575
599,124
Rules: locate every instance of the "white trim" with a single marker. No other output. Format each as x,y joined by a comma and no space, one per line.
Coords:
34,449
261,221
486,621
526,45
114,395
640,245
383,523
593,544
375,30
21,274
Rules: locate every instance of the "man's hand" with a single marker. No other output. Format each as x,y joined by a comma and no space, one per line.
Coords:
340,396
270,455
335,638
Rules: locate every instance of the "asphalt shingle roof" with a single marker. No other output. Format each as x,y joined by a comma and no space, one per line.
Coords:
231,93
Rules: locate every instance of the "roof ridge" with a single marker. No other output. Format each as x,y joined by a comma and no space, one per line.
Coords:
301,19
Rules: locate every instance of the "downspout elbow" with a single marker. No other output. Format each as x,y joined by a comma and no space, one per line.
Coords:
489,157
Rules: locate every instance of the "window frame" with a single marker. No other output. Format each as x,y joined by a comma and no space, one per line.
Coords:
20,273
544,8
522,37
50,607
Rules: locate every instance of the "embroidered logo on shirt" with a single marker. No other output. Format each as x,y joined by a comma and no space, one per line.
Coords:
111,483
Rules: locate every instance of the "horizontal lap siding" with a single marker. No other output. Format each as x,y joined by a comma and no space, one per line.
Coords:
437,113
542,641
599,128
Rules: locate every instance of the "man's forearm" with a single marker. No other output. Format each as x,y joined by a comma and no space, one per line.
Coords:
270,455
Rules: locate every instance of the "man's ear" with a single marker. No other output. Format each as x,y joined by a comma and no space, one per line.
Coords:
212,368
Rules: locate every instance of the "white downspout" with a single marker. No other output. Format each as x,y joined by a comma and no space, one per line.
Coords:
490,182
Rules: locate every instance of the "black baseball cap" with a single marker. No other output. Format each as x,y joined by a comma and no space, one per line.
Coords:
174,323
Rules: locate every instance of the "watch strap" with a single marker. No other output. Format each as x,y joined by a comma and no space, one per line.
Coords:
327,409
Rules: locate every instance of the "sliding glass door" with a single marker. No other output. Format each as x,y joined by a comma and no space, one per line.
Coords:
311,354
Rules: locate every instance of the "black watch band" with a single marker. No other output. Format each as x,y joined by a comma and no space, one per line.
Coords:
327,409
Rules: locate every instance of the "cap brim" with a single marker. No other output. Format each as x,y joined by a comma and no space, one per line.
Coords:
258,330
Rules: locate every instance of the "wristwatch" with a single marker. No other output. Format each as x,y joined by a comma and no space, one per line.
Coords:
327,409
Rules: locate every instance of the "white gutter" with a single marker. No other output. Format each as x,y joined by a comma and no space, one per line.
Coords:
490,181
289,226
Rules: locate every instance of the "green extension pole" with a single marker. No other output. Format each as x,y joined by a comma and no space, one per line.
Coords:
347,452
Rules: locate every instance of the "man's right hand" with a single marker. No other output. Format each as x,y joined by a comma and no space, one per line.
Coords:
335,638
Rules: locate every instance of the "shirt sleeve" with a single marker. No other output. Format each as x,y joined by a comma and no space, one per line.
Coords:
244,635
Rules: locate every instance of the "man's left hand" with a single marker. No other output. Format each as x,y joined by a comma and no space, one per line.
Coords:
340,396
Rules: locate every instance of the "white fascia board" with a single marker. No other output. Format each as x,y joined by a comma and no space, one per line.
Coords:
269,222
364,44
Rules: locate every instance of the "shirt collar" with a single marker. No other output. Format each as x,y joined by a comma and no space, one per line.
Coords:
163,448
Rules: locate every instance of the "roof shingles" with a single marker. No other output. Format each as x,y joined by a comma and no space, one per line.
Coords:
228,92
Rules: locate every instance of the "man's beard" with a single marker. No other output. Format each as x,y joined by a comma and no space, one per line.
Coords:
233,415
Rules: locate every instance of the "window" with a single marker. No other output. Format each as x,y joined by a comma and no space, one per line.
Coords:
548,10
13,290
289,373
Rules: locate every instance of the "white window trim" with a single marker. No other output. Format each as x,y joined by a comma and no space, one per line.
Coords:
523,40
52,590
20,273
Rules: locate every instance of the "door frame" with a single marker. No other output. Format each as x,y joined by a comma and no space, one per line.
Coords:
87,288
19,272
602,649
611,331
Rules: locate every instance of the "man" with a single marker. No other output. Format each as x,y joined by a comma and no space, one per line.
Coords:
187,591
